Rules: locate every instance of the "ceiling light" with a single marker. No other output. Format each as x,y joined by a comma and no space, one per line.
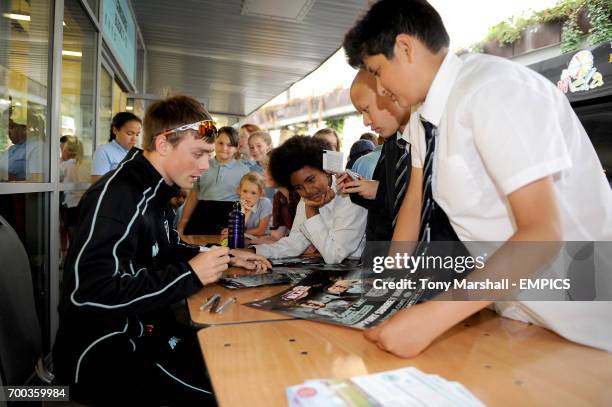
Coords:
129,108
14,16
72,53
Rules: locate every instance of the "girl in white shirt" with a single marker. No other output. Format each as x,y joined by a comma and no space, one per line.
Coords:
330,222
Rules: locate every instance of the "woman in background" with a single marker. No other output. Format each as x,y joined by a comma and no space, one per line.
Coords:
74,170
124,132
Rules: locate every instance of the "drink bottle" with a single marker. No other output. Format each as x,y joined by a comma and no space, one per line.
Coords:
235,228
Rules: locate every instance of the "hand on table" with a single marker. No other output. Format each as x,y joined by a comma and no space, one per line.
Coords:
250,261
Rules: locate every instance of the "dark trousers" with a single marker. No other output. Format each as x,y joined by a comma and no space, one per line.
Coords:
166,368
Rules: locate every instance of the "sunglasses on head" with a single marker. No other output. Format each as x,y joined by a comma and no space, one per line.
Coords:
206,130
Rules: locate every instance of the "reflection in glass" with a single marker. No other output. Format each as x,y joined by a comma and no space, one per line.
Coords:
24,58
93,5
106,106
78,74
26,214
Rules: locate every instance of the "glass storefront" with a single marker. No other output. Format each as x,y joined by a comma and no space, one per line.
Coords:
24,60
49,132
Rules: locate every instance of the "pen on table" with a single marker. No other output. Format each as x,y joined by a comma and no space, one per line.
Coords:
225,305
210,301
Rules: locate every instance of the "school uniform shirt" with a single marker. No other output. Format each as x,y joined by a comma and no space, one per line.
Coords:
262,209
107,157
337,232
502,126
220,182
125,268
366,164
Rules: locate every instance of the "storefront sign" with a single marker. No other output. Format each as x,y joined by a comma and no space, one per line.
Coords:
581,75
120,31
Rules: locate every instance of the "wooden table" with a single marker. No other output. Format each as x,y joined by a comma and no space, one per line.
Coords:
202,239
235,313
502,362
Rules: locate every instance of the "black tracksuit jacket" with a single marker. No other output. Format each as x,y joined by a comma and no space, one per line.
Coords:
125,267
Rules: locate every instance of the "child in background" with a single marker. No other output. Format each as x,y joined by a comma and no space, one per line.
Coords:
72,169
260,144
256,207
178,204
246,130
284,206
330,136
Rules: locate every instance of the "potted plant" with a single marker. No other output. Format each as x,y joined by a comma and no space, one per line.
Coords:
500,39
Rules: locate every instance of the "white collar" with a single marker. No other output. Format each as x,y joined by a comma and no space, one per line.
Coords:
435,102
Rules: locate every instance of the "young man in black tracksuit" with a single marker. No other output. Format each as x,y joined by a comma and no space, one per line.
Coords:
118,340
382,196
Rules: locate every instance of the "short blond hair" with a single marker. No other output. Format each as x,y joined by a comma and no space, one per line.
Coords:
264,135
255,178
74,146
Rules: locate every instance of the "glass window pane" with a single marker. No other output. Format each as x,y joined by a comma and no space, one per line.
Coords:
24,60
93,5
78,73
106,107
26,214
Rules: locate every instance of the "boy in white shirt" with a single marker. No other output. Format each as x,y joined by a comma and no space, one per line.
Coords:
509,161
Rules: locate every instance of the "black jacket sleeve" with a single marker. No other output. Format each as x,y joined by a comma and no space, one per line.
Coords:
105,276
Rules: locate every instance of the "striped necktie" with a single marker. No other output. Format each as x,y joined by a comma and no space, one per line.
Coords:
428,204
401,177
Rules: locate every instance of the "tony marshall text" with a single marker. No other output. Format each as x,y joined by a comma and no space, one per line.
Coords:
503,284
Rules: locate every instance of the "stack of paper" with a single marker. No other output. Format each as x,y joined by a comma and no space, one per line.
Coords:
398,388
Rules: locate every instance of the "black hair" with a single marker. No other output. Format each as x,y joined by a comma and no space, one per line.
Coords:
293,155
231,133
119,120
375,33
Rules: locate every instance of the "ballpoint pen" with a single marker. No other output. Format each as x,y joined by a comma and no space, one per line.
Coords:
225,305
212,301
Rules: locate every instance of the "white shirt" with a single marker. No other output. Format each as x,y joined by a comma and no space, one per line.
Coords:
502,126
71,171
338,232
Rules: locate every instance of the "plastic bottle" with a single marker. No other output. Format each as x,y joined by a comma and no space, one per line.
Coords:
235,228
